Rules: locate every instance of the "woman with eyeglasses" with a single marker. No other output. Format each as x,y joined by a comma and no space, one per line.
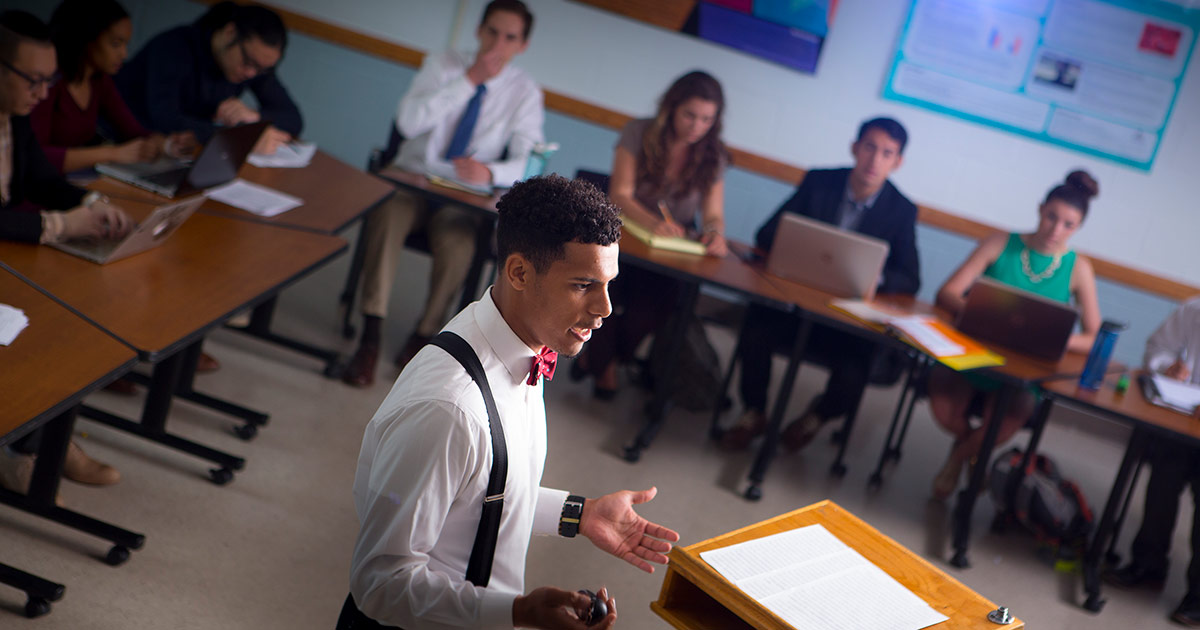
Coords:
91,38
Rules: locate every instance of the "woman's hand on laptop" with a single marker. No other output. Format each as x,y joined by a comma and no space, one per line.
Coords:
136,150
101,220
181,145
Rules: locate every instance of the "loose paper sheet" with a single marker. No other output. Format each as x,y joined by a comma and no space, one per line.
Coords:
288,155
1179,395
814,581
260,200
12,322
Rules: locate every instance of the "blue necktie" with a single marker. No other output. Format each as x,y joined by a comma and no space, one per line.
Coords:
466,125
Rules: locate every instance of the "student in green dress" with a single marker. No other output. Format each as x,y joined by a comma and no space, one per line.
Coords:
1041,262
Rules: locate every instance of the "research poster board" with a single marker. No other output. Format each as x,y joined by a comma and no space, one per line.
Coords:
1098,76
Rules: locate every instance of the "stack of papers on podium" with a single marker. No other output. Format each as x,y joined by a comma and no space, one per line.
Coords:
255,199
670,243
289,155
1175,394
12,322
813,581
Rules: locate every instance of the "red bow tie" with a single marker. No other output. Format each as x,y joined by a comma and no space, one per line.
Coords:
543,365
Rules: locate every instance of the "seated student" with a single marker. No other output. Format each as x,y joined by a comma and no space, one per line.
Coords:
32,199
859,199
1173,351
92,38
191,77
668,175
1042,263
484,116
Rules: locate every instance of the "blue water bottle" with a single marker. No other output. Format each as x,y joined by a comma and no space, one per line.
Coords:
1097,361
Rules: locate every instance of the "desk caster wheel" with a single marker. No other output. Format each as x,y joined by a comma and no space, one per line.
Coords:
247,431
220,476
116,556
960,560
1094,603
36,607
838,470
875,481
631,454
753,493
838,437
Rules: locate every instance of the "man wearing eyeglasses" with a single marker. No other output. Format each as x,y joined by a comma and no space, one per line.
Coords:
192,77
32,192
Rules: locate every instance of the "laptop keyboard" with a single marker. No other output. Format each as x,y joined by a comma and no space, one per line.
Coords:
168,178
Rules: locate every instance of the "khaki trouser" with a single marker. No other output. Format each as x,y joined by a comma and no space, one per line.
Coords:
452,234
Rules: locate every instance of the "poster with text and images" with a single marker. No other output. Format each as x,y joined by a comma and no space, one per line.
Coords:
1097,76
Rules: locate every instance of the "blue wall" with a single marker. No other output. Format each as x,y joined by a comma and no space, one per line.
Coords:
349,98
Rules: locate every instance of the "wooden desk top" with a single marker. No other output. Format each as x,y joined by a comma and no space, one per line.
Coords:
162,299
421,185
730,272
1131,405
965,608
54,362
335,194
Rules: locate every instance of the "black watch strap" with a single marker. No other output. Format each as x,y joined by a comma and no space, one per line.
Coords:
572,511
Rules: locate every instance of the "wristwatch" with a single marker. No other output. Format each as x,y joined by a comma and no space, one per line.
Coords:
572,511
92,198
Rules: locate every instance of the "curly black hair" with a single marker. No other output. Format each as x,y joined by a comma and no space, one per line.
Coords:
540,215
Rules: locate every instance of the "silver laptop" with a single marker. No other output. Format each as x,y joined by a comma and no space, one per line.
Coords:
148,234
217,163
1026,322
823,256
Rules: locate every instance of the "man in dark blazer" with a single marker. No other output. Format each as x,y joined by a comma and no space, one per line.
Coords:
859,199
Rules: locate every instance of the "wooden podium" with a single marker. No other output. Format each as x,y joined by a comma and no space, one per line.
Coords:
695,597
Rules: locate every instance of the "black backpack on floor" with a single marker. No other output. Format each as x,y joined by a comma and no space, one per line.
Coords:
1041,500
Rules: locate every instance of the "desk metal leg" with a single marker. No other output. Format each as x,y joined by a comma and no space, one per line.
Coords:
43,491
350,289
889,451
714,429
260,327
838,469
766,452
1120,488
660,404
153,427
965,506
185,390
1014,481
38,591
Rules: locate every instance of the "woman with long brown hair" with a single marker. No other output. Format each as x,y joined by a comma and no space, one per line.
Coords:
667,175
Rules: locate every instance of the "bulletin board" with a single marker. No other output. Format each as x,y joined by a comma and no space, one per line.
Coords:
1097,76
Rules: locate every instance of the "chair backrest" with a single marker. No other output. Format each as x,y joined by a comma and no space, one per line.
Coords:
379,159
599,180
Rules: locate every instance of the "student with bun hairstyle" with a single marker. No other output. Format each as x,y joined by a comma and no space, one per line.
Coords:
1040,262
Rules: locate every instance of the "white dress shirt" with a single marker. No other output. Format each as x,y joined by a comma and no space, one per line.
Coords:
1177,335
422,475
511,116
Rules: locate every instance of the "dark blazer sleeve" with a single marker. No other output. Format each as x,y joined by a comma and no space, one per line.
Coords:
39,181
164,66
902,269
275,104
20,226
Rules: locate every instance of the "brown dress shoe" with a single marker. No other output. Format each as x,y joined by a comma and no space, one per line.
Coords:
122,386
361,371
751,425
799,433
411,348
206,363
79,467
